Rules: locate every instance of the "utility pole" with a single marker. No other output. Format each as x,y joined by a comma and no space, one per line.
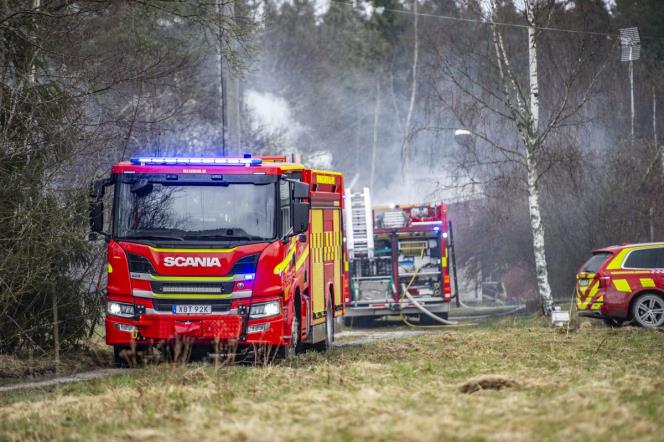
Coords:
222,81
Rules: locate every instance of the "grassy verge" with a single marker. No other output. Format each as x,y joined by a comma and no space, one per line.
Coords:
595,383
15,369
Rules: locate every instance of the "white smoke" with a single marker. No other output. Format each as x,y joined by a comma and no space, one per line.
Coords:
273,113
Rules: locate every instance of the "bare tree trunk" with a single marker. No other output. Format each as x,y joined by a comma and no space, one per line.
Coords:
32,74
655,138
531,143
375,133
56,332
406,145
222,80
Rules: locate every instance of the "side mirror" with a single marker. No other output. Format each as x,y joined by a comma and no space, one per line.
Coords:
97,217
300,217
300,190
97,192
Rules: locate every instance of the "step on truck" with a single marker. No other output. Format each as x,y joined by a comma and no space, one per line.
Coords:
221,252
394,248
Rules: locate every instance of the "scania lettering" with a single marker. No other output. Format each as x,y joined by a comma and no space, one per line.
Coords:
181,261
240,252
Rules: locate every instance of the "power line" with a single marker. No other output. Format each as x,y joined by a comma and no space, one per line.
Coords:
496,23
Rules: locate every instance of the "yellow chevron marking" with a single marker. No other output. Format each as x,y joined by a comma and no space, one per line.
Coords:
622,285
647,282
302,259
583,304
283,264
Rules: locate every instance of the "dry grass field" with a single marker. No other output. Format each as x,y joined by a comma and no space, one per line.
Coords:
506,380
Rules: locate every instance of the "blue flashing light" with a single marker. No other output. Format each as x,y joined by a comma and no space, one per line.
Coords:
436,229
169,161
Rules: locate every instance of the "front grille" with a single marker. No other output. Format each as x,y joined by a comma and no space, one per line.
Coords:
218,305
203,288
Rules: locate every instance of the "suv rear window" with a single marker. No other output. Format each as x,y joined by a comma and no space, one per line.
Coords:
594,263
645,259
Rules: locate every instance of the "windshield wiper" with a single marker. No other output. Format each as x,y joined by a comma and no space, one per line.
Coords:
229,234
225,237
152,236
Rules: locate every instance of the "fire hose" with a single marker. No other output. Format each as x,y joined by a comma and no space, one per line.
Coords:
419,306
443,322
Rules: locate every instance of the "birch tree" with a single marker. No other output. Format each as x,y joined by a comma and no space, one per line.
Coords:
407,136
505,112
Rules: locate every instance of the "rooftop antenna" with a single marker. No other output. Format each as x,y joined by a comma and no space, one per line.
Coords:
630,51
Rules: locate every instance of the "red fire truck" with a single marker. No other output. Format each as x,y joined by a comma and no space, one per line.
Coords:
393,249
237,251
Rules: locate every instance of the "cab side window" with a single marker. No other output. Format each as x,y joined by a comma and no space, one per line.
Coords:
285,204
645,259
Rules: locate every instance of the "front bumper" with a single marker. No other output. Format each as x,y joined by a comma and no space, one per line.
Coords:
153,329
387,308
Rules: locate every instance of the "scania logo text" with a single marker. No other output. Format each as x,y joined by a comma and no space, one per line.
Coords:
191,261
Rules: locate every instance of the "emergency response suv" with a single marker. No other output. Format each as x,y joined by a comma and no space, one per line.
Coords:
233,251
622,283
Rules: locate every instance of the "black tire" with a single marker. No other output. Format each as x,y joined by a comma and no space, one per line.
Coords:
326,343
348,321
292,349
329,328
613,322
648,310
120,355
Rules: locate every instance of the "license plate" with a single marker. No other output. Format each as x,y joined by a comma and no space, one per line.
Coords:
192,309
584,282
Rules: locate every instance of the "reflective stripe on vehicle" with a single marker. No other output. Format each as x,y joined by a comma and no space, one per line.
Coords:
622,285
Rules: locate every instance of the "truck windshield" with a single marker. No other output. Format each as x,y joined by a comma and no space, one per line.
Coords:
238,211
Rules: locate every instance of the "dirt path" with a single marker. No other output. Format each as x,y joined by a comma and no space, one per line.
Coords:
78,377
355,338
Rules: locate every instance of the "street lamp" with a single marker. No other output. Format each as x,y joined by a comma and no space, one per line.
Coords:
630,51
463,137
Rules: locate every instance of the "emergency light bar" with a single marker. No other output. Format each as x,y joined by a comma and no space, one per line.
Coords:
198,161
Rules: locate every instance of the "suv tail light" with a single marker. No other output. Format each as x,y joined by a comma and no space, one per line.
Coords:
604,282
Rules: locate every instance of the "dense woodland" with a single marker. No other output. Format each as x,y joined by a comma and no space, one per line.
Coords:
84,84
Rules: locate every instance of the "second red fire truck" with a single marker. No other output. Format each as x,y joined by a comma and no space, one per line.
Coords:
243,251
395,249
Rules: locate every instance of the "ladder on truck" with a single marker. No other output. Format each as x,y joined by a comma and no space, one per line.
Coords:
359,224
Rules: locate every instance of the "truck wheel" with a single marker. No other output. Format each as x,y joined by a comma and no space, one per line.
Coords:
326,343
348,321
119,358
293,348
329,327
648,311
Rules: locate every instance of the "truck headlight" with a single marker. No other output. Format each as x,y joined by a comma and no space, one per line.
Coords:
120,309
265,309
